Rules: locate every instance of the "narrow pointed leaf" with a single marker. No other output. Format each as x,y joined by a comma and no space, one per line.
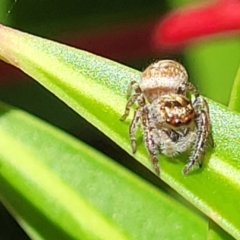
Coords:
58,188
95,88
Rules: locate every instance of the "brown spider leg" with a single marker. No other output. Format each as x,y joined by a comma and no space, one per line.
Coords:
152,147
206,108
133,128
190,88
129,104
133,86
201,103
135,122
203,129
131,99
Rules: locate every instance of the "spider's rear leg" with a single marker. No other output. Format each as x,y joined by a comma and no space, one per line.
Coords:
135,121
133,128
129,104
133,86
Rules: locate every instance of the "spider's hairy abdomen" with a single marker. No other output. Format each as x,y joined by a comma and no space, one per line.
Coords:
162,77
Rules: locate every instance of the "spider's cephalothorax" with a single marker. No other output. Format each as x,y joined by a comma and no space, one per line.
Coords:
172,123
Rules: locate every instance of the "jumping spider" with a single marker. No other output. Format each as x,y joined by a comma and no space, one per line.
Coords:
174,116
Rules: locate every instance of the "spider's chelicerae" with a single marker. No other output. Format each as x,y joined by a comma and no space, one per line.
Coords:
173,115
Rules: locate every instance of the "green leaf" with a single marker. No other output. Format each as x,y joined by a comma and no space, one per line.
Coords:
58,188
216,233
95,88
234,101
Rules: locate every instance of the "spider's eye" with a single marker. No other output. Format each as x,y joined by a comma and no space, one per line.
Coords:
174,121
178,111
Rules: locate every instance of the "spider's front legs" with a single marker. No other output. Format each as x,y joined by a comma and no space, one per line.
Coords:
203,133
149,140
137,96
142,114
